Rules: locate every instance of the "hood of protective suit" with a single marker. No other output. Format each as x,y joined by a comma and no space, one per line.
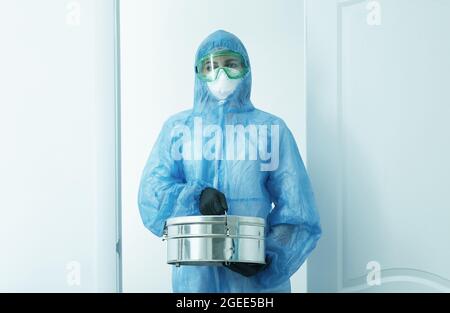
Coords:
239,100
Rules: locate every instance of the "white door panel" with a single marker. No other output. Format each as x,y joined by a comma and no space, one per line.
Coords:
378,111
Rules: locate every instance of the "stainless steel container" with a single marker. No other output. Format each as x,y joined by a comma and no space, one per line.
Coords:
215,239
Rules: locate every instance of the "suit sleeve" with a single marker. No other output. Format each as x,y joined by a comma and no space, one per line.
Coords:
293,224
164,191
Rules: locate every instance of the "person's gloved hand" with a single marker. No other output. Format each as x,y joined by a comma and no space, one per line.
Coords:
246,269
212,202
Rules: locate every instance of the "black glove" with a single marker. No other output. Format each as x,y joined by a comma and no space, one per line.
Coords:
246,269
212,202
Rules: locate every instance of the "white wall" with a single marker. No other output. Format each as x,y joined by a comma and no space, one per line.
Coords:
159,39
57,155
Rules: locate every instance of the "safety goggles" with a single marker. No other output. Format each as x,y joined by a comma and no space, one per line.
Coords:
232,63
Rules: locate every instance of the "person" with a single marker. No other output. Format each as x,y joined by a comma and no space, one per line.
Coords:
174,184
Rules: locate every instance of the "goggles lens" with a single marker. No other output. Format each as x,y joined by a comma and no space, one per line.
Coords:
231,62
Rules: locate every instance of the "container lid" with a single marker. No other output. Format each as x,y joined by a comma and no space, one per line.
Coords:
215,219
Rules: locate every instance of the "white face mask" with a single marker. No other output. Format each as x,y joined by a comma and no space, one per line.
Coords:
222,87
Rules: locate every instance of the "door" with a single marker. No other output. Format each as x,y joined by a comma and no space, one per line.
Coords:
58,146
159,39
378,143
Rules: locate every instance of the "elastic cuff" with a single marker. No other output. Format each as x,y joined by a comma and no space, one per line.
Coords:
190,197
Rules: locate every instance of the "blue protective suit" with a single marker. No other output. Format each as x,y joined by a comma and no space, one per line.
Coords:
283,196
